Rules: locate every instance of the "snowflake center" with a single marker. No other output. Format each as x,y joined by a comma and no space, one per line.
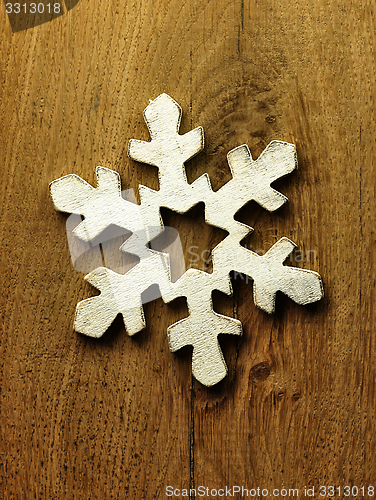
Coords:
188,240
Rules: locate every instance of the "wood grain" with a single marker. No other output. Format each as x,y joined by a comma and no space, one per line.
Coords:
121,417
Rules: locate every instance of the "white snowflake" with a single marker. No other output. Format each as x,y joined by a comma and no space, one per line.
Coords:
104,206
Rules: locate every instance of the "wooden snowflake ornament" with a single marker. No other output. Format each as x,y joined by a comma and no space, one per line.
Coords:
104,206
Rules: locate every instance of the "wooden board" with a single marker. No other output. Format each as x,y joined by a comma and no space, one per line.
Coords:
121,417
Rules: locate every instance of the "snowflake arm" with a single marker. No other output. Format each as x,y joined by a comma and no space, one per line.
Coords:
255,176
167,150
101,207
268,272
121,293
95,315
201,332
301,285
203,325
251,181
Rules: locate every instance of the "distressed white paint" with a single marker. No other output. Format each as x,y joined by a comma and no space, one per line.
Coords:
268,273
121,293
203,324
103,206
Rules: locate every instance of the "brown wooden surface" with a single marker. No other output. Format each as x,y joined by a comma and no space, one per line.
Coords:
120,418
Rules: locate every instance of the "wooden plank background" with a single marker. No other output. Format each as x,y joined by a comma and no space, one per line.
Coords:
120,418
